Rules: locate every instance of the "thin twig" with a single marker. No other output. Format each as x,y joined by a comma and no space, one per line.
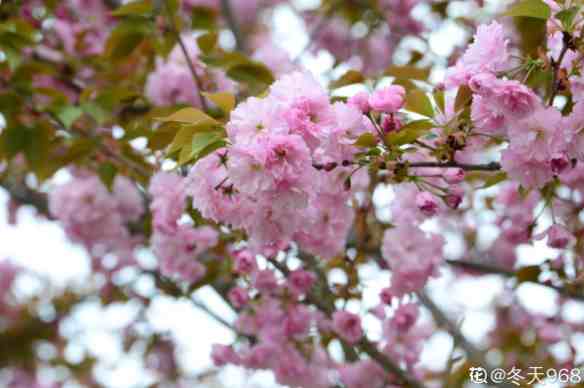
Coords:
320,25
185,52
493,166
473,353
556,68
233,25
364,345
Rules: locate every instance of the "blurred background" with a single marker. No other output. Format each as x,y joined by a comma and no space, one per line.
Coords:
58,273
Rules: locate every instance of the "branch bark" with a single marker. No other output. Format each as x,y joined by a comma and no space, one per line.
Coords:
233,25
185,52
493,166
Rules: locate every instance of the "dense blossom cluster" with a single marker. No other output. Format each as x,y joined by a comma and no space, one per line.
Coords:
172,83
282,198
97,217
283,177
176,244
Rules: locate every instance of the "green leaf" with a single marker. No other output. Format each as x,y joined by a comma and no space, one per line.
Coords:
199,142
207,42
252,73
203,18
162,136
417,101
440,100
463,98
351,77
185,135
125,37
409,133
494,179
189,116
68,115
367,140
528,274
107,174
99,114
225,101
135,8
408,72
567,17
530,8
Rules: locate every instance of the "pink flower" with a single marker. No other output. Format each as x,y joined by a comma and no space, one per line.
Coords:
405,317
412,255
214,195
238,297
276,59
265,281
454,175
94,216
245,262
348,326
168,200
427,203
558,236
301,281
177,251
360,101
488,53
362,374
272,163
487,117
386,295
388,100
223,355
534,143
391,123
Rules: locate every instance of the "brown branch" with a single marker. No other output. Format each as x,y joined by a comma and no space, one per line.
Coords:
364,345
473,353
566,38
493,166
185,52
495,270
233,25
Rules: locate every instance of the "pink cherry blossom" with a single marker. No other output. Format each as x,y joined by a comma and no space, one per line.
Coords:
412,255
348,326
388,100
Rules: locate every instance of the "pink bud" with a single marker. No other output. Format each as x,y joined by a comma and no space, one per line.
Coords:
391,123
348,326
386,295
301,281
388,100
427,203
238,297
454,175
245,262
559,163
558,237
360,101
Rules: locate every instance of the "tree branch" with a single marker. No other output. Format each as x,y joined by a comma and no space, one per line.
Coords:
364,345
493,166
473,353
495,270
233,25
185,52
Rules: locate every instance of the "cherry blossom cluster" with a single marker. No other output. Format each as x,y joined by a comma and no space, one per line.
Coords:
176,244
285,175
172,83
272,310
96,217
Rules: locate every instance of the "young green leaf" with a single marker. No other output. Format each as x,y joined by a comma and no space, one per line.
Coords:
530,8
417,101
